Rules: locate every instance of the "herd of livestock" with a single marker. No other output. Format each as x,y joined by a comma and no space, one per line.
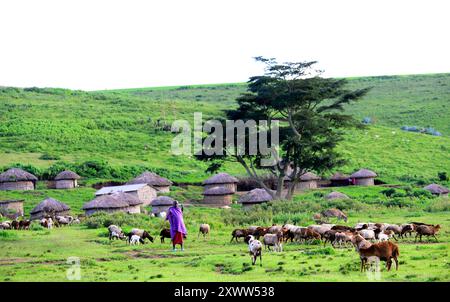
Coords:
372,241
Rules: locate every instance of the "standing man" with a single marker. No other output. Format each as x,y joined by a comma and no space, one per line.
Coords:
177,227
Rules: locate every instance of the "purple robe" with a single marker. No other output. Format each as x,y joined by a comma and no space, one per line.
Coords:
175,218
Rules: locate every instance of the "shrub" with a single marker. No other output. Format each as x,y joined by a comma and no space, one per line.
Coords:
388,192
47,156
102,219
440,205
442,176
35,226
420,193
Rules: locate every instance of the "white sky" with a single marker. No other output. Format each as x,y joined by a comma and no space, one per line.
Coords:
125,44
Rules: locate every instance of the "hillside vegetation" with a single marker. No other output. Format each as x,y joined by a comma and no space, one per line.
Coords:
131,127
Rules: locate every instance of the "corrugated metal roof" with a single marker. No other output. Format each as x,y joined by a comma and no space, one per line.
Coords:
125,188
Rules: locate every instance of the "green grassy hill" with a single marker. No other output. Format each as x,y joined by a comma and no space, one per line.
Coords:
41,126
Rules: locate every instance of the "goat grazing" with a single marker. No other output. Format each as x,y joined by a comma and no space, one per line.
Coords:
134,239
115,232
239,233
204,229
255,249
334,213
143,234
165,233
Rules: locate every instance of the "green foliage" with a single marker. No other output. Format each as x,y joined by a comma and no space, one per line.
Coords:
443,176
101,220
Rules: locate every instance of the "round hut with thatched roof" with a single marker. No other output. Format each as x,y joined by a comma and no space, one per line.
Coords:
66,180
221,180
336,195
49,207
219,196
308,181
339,179
154,180
134,203
437,190
363,177
161,204
255,196
17,179
105,203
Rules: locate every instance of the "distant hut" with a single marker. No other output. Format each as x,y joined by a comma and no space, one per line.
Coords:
66,180
161,184
17,179
50,207
363,177
221,180
436,189
218,195
11,207
336,195
143,192
161,204
105,203
308,181
255,196
339,179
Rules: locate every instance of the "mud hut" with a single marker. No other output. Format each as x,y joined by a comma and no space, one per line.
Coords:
49,206
221,180
134,203
307,181
218,196
17,179
105,203
339,179
336,195
8,207
143,192
66,180
161,184
161,204
437,190
363,177
255,196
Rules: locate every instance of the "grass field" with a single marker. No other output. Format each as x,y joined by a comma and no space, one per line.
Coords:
39,255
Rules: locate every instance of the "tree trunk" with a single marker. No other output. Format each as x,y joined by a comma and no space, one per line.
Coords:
291,190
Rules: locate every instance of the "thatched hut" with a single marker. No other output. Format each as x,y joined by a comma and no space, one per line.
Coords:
255,196
363,177
218,196
11,207
437,190
143,192
161,184
105,203
221,180
161,204
66,180
51,207
17,179
339,179
336,195
134,203
307,181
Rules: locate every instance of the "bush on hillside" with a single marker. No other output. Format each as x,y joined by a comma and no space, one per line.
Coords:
443,176
103,220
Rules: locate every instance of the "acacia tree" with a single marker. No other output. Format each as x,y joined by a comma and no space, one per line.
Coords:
310,109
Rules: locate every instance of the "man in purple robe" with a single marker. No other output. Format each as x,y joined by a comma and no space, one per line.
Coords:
177,228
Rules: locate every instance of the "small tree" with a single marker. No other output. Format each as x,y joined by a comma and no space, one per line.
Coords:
310,109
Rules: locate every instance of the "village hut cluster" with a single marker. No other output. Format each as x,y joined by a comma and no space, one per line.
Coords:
49,207
219,189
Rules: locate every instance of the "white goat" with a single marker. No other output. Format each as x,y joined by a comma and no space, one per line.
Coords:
274,240
255,249
367,234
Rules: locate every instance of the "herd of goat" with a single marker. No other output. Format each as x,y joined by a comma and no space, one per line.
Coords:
370,240
47,222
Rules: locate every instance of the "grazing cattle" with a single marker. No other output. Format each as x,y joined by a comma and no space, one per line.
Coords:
275,240
239,233
5,225
321,229
359,242
395,229
407,228
385,251
204,229
334,213
15,225
165,233
274,229
385,235
329,236
143,234
342,238
343,228
427,230
255,249
46,223
260,231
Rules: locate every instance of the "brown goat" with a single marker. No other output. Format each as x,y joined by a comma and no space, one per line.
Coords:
239,233
165,233
427,230
385,251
